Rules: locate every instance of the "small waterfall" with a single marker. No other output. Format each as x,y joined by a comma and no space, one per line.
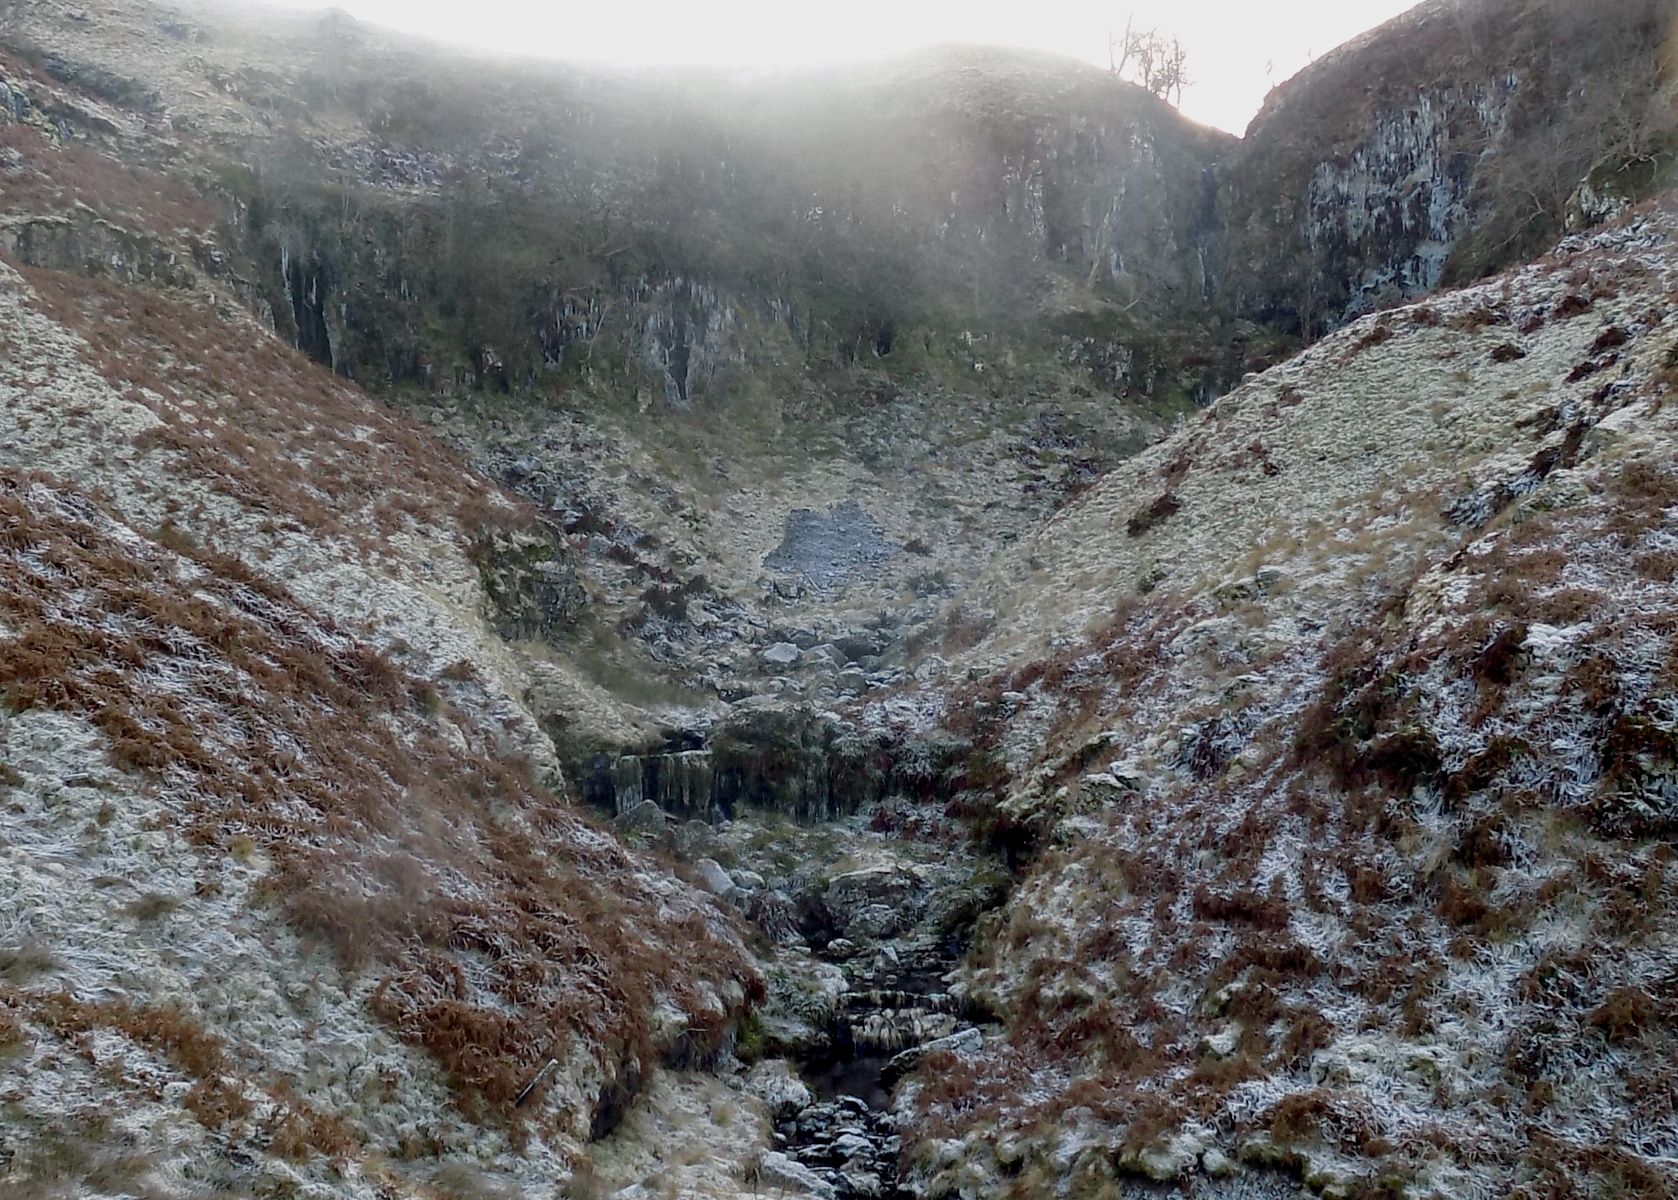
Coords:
683,784
812,779
628,787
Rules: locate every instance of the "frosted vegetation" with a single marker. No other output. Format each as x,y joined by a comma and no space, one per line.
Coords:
936,633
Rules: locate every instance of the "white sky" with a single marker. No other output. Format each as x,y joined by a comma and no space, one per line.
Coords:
1237,48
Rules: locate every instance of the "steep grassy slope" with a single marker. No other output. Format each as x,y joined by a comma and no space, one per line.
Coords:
1344,733
290,906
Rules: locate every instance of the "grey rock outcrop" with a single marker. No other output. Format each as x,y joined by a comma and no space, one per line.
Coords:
872,904
776,1171
1439,147
783,1093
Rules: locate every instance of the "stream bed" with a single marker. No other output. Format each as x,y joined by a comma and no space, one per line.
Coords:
848,1137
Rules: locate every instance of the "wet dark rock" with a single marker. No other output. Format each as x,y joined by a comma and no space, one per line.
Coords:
895,955
681,783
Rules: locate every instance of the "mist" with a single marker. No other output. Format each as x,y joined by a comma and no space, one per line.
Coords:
1236,52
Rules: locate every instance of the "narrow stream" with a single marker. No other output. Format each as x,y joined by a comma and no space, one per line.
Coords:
849,1136
895,916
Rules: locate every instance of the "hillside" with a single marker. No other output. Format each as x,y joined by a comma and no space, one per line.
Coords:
273,799
1342,743
928,630
696,313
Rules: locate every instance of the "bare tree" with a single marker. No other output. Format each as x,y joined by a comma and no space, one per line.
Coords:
1152,60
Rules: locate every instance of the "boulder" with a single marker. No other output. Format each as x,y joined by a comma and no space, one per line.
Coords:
781,654
930,668
964,1043
873,902
714,879
803,1001
783,1093
1108,787
1269,576
1223,1043
857,645
749,881
693,840
771,911
852,682
1217,1164
1169,1158
778,1173
645,817
876,922
863,1184
851,1146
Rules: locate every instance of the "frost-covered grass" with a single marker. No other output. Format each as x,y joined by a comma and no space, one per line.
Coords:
1355,851
499,928
294,914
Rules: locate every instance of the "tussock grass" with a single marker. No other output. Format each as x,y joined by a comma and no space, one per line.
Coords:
266,426
268,728
49,179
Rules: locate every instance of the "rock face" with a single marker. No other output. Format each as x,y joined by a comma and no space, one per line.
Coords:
1444,144
1387,166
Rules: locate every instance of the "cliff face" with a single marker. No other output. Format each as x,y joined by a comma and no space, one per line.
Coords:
634,220
806,224
1450,142
980,256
